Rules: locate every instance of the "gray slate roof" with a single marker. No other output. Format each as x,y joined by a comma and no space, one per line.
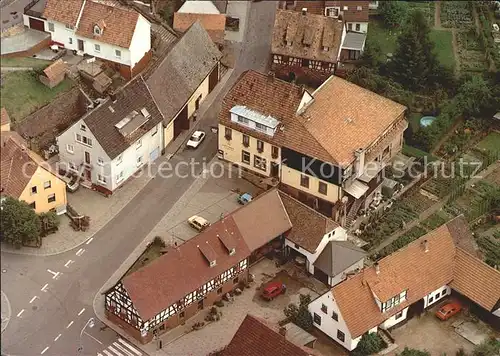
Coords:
337,256
101,121
182,70
354,40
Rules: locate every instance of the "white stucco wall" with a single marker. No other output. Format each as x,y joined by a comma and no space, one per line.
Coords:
328,325
395,319
63,35
341,276
141,40
129,157
68,137
363,26
338,234
436,295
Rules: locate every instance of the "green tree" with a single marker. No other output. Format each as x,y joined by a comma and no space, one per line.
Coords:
413,352
414,61
299,315
394,13
370,344
490,347
372,54
475,97
49,222
19,223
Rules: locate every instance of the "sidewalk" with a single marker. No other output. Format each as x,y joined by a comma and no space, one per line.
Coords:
208,197
433,209
101,209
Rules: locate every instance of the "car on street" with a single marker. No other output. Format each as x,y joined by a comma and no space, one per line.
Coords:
447,310
272,290
244,198
198,223
196,139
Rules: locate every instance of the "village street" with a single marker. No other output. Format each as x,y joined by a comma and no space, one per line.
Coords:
51,300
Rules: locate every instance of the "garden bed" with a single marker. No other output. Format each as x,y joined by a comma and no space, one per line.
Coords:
490,142
456,14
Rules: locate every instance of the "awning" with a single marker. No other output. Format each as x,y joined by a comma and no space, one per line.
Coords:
356,189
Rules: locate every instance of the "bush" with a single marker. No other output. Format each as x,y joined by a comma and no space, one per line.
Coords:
20,225
393,12
299,315
490,347
413,352
370,344
50,222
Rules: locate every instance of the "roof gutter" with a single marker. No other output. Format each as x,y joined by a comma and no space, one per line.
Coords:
80,15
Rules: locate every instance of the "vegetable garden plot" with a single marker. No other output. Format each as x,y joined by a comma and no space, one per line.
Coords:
456,14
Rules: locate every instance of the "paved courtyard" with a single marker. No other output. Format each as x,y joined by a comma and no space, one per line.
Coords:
431,334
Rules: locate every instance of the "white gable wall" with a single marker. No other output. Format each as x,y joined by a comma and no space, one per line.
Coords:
436,295
141,40
338,234
395,319
332,281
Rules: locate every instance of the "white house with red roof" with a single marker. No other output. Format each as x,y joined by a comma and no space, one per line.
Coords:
405,283
102,29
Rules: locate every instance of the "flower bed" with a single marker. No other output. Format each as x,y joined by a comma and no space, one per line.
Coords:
456,14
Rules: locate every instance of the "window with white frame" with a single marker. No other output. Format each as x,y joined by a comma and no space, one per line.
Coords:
396,300
119,177
118,53
51,27
119,160
70,148
100,161
259,162
97,30
138,144
359,8
70,40
155,131
83,127
84,140
139,161
332,11
97,47
72,166
346,8
70,27
101,179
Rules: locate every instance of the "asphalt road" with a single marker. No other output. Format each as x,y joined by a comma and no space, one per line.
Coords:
51,303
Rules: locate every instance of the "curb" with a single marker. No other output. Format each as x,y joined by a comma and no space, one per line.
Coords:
8,309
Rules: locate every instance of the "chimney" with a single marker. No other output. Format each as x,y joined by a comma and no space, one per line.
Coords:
304,10
426,246
282,331
377,268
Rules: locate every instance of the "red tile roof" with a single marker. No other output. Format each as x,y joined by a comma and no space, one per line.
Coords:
183,269
65,12
255,337
214,24
17,168
55,70
119,23
418,272
352,14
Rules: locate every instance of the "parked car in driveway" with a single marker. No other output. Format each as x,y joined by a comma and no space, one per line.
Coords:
272,290
198,223
447,310
196,138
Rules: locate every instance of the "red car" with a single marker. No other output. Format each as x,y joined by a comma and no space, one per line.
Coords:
448,310
272,290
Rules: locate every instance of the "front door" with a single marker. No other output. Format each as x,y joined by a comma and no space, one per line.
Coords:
80,45
275,169
87,157
88,174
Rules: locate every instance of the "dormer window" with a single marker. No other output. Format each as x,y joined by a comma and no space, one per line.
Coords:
213,263
232,252
394,301
97,30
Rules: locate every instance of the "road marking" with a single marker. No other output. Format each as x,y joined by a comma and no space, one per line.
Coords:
55,274
57,337
115,351
45,349
33,299
68,263
44,289
89,241
107,353
71,323
121,348
80,252
20,313
81,312
130,347
98,354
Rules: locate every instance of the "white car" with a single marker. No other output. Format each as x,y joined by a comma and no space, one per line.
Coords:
198,223
196,139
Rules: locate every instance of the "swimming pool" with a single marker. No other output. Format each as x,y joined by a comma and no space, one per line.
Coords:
426,120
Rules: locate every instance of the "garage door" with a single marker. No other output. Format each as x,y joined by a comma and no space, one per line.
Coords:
154,155
36,24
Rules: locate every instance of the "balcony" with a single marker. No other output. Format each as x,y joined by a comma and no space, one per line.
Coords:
35,8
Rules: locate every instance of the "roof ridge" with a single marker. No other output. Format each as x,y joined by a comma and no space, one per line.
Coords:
348,244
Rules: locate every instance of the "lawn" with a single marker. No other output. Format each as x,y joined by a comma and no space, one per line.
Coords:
152,252
387,40
417,153
25,62
490,142
443,46
22,93
414,120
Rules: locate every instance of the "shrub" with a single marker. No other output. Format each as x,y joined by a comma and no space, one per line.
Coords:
370,344
413,352
299,315
50,222
490,347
